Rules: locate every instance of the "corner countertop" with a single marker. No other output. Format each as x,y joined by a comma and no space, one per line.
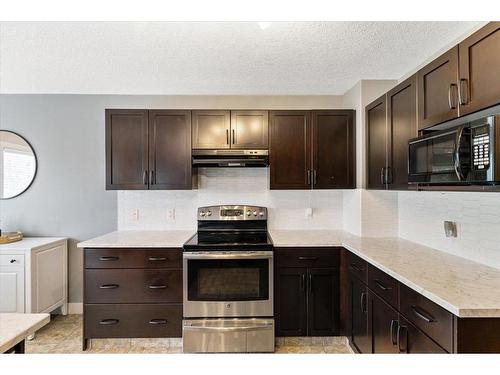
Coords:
15,327
140,238
463,287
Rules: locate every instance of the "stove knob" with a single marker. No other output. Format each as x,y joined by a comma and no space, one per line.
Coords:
255,213
261,213
249,213
209,213
202,213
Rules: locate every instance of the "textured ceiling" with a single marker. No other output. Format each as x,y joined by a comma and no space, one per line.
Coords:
305,58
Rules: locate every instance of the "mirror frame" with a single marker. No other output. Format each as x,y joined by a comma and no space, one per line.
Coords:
36,163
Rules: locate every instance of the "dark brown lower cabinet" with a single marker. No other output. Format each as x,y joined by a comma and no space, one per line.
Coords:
360,335
322,304
384,323
291,306
413,341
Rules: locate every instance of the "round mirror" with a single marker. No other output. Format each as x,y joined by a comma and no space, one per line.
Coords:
17,164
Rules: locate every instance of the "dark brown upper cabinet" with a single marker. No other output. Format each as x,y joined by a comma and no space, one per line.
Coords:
148,149
170,150
479,64
126,149
312,149
391,123
211,129
438,90
290,149
249,129
376,143
333,145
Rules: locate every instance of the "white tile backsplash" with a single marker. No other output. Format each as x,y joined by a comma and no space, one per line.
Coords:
231,186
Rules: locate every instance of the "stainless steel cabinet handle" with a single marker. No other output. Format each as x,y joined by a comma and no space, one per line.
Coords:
158,321
381,286
309,177
422,314
234,137
451,98
108,259
152,178
402,339
303,282
157,286
227,136
310,283
109,286
157,259
363,302
394,339
145,177
463,93
315,175
308,258
109,322
382,174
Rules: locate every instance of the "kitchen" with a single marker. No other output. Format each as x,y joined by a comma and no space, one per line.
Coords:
360,219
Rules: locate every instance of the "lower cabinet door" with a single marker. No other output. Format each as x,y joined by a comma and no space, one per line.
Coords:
323,301
12,289
384,325
291,306
411,340
361,337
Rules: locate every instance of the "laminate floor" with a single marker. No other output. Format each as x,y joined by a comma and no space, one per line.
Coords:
64,335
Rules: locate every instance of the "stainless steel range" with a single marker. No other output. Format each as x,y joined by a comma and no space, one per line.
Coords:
228,282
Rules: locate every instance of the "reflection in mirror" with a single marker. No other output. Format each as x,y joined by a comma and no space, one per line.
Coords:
17,164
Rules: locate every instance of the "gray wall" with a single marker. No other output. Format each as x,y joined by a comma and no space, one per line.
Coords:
68,197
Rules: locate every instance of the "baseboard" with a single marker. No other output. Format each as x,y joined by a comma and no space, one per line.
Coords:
75,308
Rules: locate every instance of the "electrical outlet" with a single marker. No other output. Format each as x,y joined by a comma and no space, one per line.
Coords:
135,214
171,214
309,213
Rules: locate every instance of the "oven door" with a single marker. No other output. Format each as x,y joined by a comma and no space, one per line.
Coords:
228,284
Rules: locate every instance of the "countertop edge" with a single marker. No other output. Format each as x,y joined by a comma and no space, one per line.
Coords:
21,336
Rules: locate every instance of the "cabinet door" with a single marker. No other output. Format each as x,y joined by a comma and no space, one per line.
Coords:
411,340
126,149
290,150
384,325
358,314
170,149
323,301
376,143
211,129
290,306
402,126
12,289
437,90
333,149
249,129
479,59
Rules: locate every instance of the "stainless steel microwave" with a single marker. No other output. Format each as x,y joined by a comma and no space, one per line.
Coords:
466,154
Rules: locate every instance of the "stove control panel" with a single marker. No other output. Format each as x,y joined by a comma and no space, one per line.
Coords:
232,213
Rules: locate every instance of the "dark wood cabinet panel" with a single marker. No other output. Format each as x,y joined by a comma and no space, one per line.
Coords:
249,129
438,90
333,149
326,257
291,298
413,341
170,149
384,285
290,150
479,62
126,149
211,129
132,258
401,127
376,143
323,301
360,335
357,267
384,324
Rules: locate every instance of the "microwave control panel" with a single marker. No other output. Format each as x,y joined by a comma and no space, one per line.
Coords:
481,148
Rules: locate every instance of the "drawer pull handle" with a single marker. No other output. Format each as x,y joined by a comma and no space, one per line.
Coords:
381,286
423,314
157,259
109,286
355,267
107,259
13,261
109,322
394,339
158,321
157,286
402,338
364,309
308,258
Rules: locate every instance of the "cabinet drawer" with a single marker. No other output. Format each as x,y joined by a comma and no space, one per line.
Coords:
356,266
429,317
384,285
307,257
120,321
132,286
11,260
133,258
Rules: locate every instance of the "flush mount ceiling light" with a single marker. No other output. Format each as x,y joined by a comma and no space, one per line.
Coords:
264,25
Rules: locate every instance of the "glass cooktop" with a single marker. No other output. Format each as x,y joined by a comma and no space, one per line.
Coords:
229,240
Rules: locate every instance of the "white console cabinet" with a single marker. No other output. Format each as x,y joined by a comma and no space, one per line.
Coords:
34,275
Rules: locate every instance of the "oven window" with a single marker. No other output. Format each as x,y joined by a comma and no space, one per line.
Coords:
228,280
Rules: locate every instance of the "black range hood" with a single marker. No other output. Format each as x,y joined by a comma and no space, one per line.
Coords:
230,158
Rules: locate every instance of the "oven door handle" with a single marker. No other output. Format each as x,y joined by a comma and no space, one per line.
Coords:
229,329
227,255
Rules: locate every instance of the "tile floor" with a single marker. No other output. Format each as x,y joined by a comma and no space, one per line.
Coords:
64,335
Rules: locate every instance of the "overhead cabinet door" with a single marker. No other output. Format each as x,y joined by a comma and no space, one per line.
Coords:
376,143
126,149
170,149
333,149
290,150
211,129
249,129
479,66
438,90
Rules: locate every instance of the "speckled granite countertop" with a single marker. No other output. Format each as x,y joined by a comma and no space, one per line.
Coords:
15,327
463,287
140,238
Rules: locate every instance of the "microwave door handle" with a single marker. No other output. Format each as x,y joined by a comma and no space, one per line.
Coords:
456,155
